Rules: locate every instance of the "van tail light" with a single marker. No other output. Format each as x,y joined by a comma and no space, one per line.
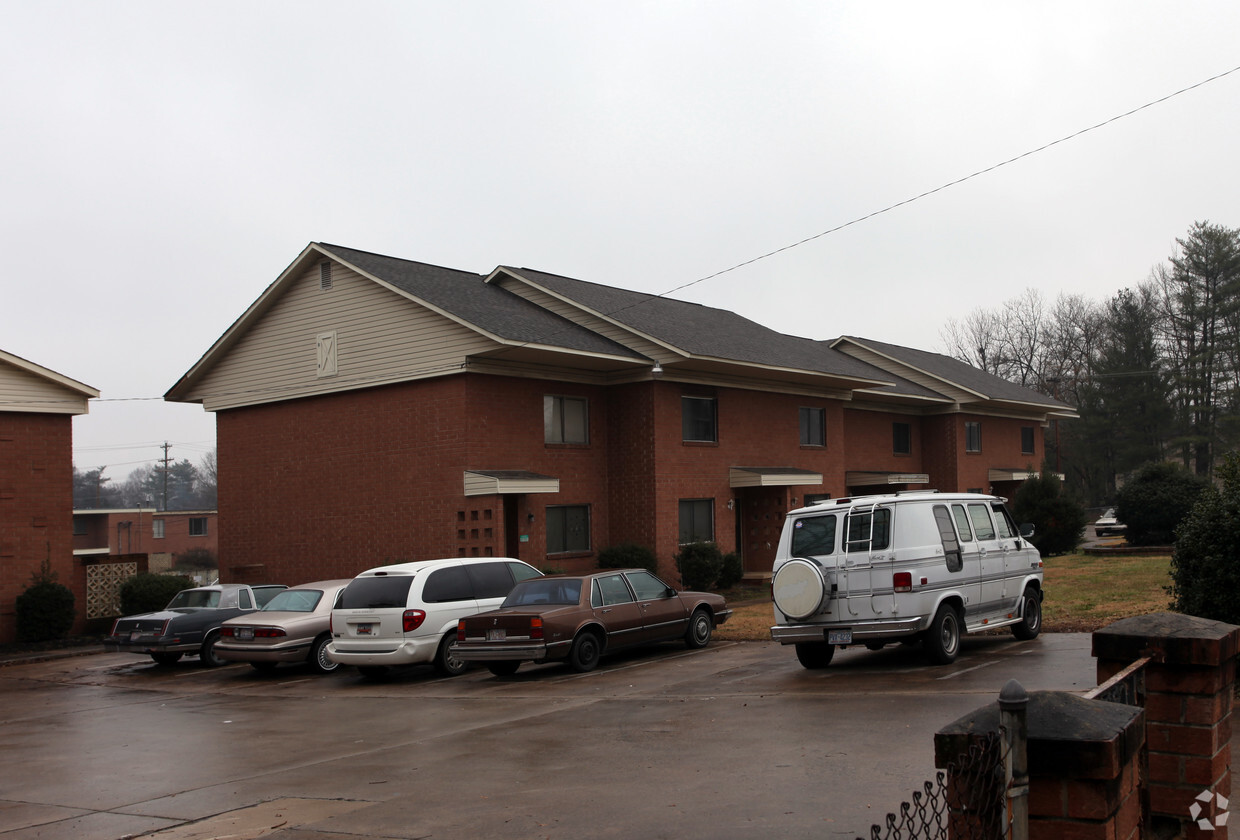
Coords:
903,581
460,630
536,628
412,619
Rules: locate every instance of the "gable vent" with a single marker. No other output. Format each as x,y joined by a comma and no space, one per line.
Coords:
325,275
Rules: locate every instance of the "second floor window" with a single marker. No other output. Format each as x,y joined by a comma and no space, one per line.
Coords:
566,420
901,438
697,419
198,526
813,427
972,437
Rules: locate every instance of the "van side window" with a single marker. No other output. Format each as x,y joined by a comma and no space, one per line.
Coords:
962,523
861,538
448,584
951,545
521,572
981,522
813,536
1003,521
490,580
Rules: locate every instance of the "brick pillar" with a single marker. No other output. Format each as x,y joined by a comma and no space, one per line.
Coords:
1188,698
1082,758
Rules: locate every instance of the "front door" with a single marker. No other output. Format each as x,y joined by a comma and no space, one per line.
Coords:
761,520
512,539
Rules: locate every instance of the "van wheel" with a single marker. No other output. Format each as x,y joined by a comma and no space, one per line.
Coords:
700,629
585,652
504,667
815,654
943,638
447,662
1031,616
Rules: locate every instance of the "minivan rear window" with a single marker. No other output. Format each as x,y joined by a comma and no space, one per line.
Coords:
368,593
448,584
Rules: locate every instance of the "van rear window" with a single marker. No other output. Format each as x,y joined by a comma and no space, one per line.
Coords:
368,593
813,536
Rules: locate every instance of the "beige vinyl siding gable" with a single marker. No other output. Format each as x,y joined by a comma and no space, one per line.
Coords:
918,377
571,312
381,338
21,390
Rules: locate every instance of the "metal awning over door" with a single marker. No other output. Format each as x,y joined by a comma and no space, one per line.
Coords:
864,478
771,477
501,482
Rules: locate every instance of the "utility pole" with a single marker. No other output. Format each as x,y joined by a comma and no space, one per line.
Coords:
166,447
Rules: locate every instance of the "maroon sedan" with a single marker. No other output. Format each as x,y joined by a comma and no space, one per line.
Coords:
577,618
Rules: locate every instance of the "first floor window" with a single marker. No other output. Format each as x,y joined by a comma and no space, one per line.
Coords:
198,526
568,528
1026,440
565,420
157,526
697,520
972,437
901,438
813,427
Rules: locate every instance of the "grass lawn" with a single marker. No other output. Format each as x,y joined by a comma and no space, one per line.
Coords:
1083,592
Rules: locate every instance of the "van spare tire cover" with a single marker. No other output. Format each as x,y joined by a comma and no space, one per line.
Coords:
798,588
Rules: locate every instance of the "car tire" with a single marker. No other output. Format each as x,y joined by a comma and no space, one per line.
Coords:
1030,624
319,660
373,672
206,654
447,662
504,667
942,639
166,658
815,655
585,653
263,667
701,626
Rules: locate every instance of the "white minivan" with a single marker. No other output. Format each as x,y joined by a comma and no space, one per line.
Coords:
407,613
912,566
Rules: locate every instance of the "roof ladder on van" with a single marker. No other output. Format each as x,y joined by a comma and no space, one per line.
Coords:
856,546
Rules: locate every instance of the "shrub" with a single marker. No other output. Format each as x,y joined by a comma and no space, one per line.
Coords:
628,556
1154,501
732,572
149,592
699,564
1205,574
45,609
1058,521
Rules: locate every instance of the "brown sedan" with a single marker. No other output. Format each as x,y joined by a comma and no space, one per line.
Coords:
578,618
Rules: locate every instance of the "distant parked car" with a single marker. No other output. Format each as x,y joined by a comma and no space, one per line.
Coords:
406,613
190,624
578,618
1107,525
293,627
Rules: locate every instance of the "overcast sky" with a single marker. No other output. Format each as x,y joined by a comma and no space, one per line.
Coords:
161,163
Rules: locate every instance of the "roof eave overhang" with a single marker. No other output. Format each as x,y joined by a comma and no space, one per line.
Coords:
49,374
893,360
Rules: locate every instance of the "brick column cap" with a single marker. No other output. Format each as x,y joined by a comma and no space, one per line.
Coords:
1068,735
1171,638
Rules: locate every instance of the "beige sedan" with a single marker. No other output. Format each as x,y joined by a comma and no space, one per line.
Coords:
293,627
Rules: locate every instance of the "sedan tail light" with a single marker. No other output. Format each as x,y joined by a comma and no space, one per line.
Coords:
536,628
269,632
412,619
460,630
226,632
903,581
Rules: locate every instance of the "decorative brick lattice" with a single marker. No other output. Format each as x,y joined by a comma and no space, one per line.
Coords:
103,588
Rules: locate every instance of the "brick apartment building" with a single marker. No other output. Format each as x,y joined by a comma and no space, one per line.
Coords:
161,535
371,409
37,407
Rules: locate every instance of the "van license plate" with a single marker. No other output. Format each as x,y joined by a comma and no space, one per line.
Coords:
497,635
839,637
363,630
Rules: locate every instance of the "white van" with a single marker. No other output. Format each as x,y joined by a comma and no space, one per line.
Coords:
913,566
407,613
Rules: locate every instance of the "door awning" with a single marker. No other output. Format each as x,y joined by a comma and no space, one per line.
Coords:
1006,474
863,478
491,482
771,477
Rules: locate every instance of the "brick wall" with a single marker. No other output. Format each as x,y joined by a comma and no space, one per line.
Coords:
36,509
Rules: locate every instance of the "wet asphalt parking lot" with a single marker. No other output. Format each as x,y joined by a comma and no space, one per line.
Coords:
736,740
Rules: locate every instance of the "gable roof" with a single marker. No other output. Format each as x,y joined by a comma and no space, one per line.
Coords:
28,387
